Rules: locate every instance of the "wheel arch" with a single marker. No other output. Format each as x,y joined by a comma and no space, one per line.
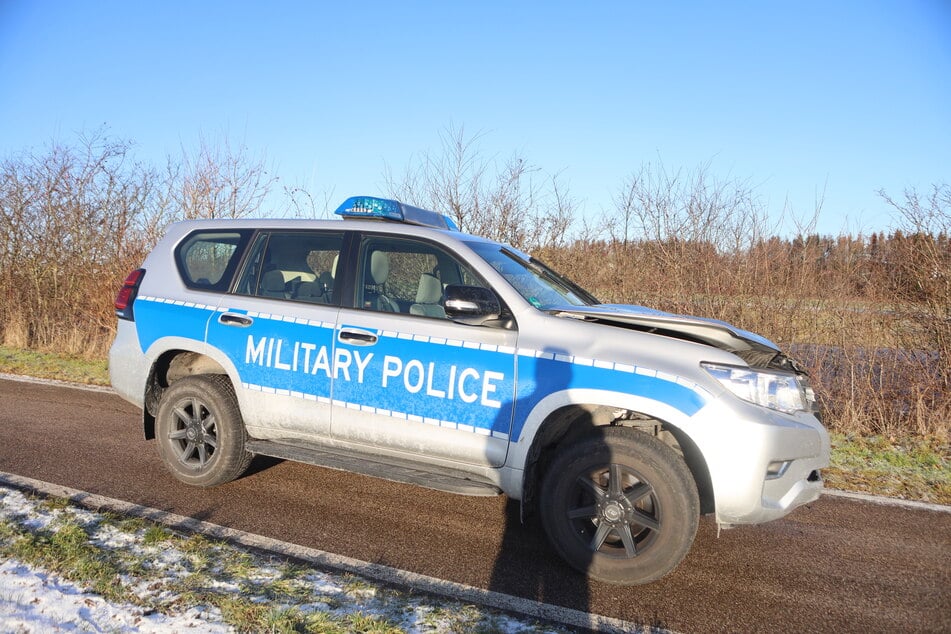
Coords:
570,421
170,366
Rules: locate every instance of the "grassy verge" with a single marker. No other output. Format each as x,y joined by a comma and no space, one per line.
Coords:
150,568
909,467
51,365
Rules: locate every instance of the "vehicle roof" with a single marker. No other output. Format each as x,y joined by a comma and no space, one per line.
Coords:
183,227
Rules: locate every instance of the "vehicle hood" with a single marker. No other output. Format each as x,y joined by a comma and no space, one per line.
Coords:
752,348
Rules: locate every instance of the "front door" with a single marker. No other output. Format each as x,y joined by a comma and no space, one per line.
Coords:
409,379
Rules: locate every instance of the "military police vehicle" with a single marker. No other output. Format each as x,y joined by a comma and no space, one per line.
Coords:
392,344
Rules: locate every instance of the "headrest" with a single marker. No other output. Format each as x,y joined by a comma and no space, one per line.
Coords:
429,290
273,281
379,267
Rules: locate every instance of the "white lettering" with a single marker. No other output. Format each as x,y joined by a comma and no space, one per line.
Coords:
362,363
429,383
469,385
254,353
392,367
308,348
322,363
452,381
489,388
278,364
413,388
465,396
342,362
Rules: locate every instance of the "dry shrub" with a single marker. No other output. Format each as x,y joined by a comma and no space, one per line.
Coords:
870,316
16,331
74,220
509,201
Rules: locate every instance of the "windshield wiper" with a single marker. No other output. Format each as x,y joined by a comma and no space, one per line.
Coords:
563,282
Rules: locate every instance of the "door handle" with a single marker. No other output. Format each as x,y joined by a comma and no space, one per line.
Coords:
233,319
358,337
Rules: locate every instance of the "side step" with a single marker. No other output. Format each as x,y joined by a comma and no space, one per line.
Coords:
377,466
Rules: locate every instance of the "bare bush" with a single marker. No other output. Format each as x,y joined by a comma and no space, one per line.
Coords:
301,203
869,315
917,266
75,219
693,206
217,182
667,229
71,222
509,202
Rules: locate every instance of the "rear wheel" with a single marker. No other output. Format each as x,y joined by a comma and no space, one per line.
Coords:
200,432
620,506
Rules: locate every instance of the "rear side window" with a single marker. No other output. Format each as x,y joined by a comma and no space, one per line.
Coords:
207,259
297,265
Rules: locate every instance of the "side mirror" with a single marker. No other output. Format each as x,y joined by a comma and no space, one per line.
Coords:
473,305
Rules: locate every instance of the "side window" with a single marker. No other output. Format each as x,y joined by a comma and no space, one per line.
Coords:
298,266
207,259
407,276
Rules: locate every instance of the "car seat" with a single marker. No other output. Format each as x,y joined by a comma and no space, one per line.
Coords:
428,295
272,284
374,298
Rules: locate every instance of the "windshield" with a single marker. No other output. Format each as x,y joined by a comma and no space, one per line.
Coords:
539,285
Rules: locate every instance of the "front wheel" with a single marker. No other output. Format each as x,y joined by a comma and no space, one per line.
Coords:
620,506
200,432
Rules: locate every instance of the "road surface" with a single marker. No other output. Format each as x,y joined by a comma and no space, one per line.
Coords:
835,565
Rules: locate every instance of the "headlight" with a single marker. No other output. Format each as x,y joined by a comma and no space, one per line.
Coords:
780,391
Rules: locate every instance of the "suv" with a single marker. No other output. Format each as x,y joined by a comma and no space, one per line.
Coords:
393,345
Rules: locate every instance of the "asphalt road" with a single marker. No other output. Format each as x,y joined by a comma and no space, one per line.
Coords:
836,565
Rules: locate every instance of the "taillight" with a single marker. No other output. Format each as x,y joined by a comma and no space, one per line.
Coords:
126,296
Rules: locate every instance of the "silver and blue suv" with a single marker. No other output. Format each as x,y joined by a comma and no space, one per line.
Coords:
393,345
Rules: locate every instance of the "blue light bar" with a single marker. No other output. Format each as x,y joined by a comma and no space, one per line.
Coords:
386,209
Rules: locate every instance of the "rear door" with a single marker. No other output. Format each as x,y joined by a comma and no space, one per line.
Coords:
277,329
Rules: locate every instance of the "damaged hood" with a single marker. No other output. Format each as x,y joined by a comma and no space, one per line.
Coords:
752,348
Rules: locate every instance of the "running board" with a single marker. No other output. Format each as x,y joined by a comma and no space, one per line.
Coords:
377,466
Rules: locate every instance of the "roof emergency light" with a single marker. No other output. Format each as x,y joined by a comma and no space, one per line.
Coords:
386,209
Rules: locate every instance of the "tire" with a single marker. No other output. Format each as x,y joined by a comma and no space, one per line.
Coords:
620,506
200,432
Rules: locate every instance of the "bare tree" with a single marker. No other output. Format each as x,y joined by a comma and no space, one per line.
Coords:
301,203
510,202
686,206
75,219
218,182
673,236
919,264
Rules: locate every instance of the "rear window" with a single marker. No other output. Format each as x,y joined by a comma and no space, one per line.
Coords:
207,259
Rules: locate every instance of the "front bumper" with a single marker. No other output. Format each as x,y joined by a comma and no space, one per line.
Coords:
762,464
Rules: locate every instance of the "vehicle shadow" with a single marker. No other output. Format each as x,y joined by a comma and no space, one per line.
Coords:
526,564
260,464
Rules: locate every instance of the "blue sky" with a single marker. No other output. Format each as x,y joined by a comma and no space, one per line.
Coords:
796,98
